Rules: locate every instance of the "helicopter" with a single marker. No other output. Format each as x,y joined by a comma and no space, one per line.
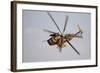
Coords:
60,38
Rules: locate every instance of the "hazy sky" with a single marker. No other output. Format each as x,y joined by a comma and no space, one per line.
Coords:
36,49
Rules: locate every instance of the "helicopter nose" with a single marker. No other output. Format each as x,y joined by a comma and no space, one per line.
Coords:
61,35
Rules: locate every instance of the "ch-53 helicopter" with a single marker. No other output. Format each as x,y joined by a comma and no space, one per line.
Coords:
60,38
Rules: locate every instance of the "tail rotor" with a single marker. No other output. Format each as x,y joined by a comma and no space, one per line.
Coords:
80,29
80,32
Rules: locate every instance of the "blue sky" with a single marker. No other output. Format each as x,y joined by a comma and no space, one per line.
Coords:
35,50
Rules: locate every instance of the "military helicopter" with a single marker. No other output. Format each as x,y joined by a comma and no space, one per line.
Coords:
60,38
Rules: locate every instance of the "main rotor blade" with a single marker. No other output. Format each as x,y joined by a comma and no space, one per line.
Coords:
48,31
60,49
54,21
73,47
66,20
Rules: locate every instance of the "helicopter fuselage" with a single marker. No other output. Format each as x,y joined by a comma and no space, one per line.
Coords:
60,39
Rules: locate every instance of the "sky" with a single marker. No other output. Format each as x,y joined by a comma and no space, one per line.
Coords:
34,39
